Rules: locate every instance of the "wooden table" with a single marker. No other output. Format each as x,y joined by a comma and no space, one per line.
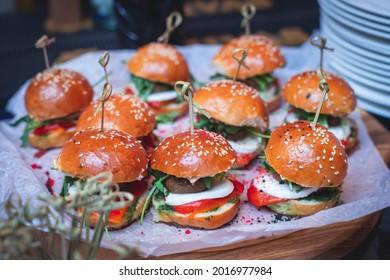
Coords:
328,242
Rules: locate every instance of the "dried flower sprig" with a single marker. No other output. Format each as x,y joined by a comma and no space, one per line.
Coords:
66,221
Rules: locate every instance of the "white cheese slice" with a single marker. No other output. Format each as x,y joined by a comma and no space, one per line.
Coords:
268,94
343,130
267,183
162,96
247,145
219,190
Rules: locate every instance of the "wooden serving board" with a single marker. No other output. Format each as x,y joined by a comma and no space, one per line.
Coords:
328,242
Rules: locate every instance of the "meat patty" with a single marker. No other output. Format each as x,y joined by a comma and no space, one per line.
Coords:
182,185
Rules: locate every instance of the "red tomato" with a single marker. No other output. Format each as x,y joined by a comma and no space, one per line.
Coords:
128,90
209,204
243,159
258,198
44,129
344,142
155,104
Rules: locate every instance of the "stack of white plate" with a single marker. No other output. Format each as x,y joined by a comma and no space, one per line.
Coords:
359,30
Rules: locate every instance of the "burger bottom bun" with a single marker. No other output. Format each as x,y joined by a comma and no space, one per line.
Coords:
181,108
302,207
207,220
273,103
139,204
55,139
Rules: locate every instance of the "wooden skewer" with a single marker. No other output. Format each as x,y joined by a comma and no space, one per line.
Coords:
104,97
103,61
248,11
172,22
240,61
187,92
43,43
324,87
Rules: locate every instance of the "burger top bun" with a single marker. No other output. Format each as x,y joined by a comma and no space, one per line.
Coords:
90,152
159,62
188,156
122,112
263,57
302,91
234,104
306,156
56,93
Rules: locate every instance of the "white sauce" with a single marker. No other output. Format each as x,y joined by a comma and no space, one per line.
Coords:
247,145
268,94
272,187
219,190
162,96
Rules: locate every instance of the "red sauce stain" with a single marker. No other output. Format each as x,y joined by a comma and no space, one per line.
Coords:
40,153
187,231
142,233
49,184
36,166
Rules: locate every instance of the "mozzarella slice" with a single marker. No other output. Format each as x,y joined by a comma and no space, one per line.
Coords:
219,190
247,145
162,96
267,183
342,131
268,94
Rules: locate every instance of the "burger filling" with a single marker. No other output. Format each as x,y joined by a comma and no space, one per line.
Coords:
246,141
270,188
267,85
342,127
123,215
192,196
47,127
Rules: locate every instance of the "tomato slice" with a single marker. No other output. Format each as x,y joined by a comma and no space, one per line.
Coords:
128,90
155,104
344,142
136,188
47,128
205,205
243,159
258,198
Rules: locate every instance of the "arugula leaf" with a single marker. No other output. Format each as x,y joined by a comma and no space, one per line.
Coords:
30,126
303,115
167,118
143,86
157,185
68,181
266,166
253,131
210,125
263,81
208,181
219,76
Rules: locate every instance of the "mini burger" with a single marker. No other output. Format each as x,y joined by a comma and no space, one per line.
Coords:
54,100
90,152
154,69
304,169
263,57
237,113
191,186
125,113
303,95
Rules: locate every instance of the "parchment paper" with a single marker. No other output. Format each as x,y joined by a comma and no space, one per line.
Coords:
366,188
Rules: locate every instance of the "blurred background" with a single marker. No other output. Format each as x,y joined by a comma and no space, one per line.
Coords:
86,25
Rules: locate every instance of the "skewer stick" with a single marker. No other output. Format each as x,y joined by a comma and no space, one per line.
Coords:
172,22
324,87
103,61
248,11
240,61
104,96
187,92
42,43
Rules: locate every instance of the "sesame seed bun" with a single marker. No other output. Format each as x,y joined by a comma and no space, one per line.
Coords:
234,104
302,91
201,154
56,93
122,112
159,62
263,57
90,152
305,156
